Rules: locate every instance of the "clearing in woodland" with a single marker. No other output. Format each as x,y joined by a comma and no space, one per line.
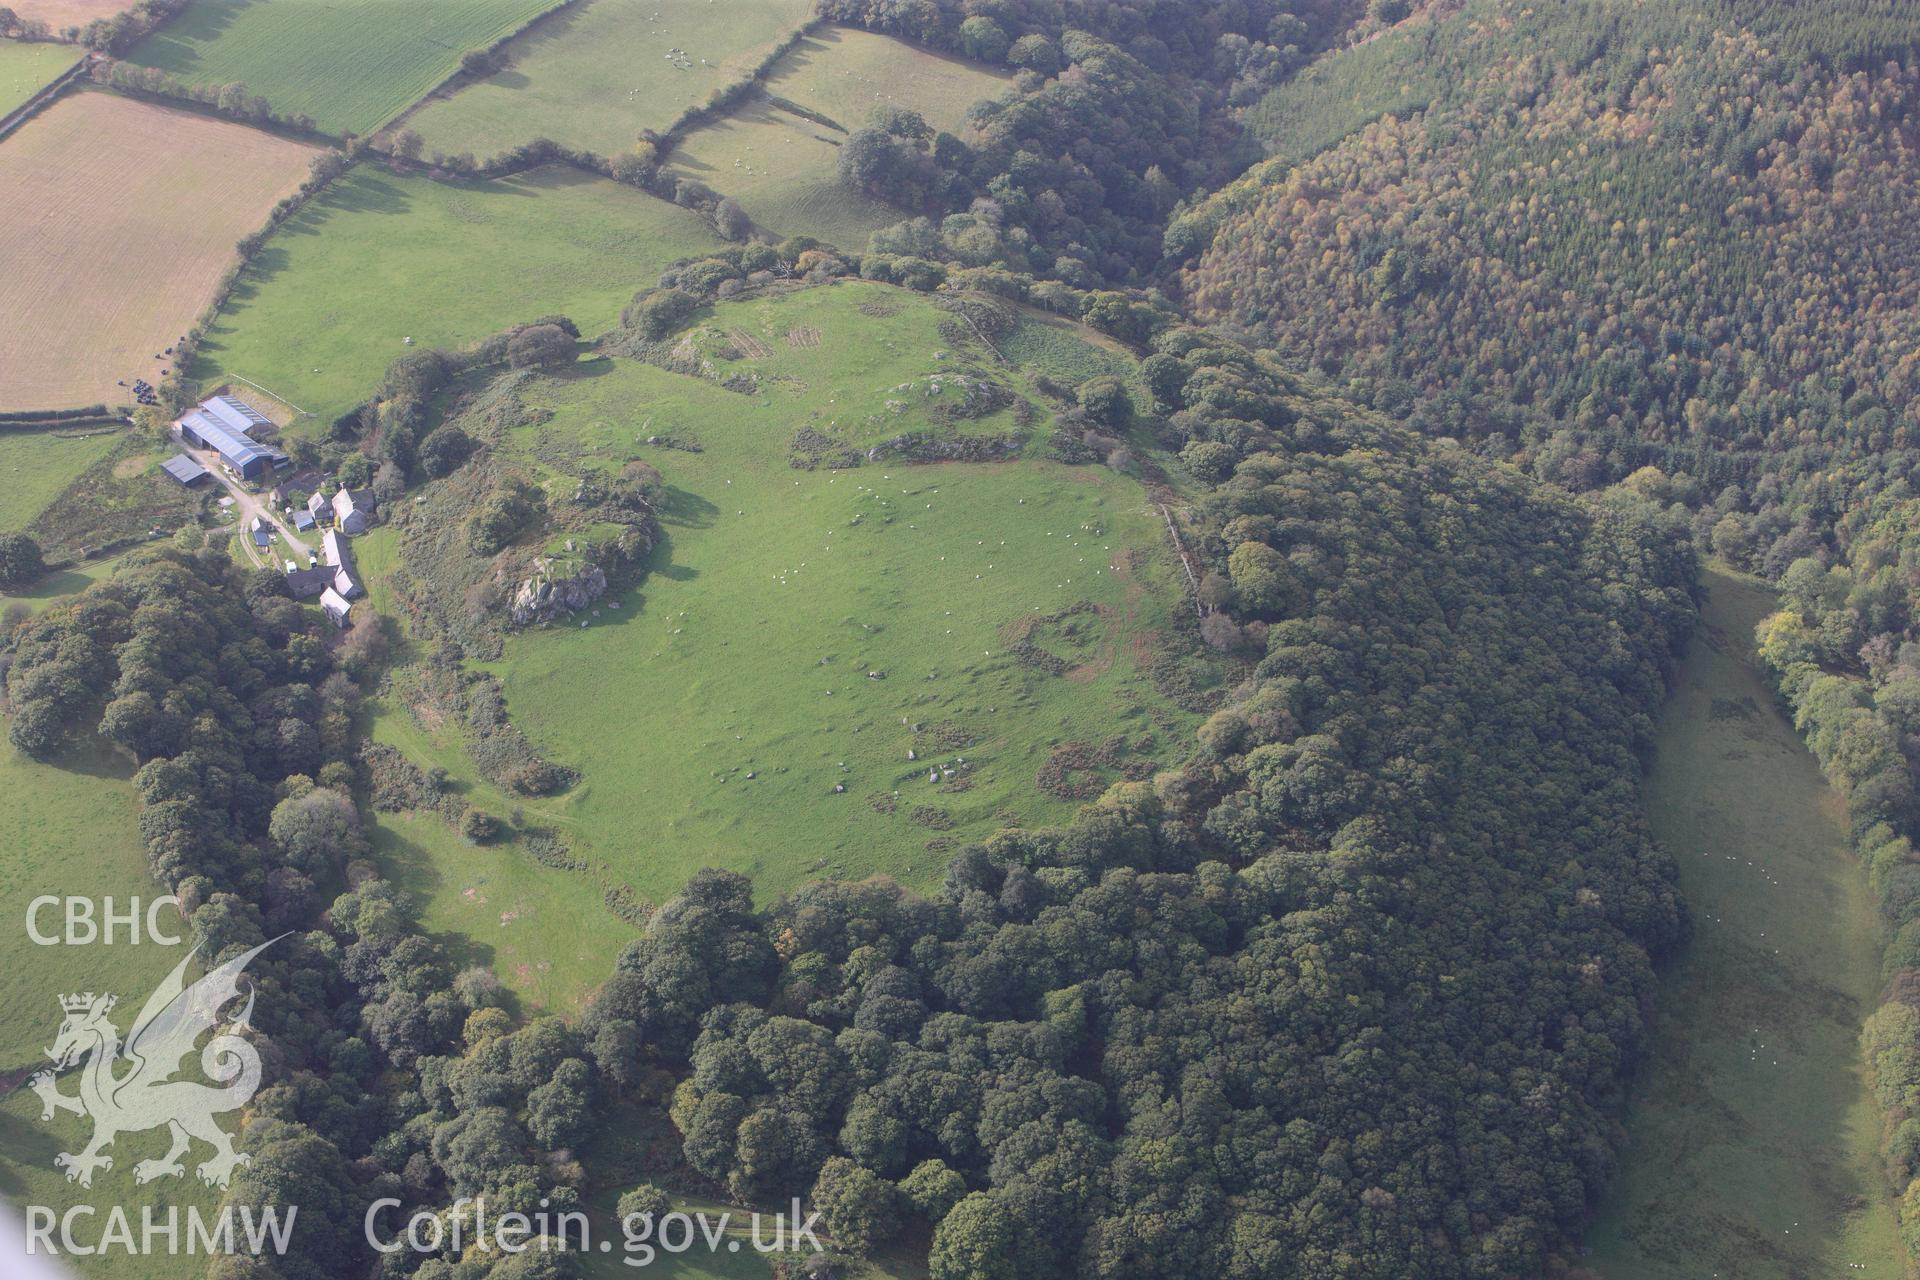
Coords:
1751,1138
72,829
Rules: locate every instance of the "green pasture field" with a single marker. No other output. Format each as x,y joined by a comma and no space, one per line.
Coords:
847,74
798,630
1751,1138
122,494
71,829
781,165
352,65
61,583
37,466
594,76
27,68
327,305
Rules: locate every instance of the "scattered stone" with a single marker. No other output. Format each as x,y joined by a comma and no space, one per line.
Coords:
839,788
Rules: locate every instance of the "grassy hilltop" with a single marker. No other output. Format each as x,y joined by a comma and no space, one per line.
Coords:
802,630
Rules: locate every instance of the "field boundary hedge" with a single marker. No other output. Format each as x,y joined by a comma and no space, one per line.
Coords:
174,387
460,75
723,102
40,101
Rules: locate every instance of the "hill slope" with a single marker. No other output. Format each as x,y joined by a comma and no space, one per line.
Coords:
1648,224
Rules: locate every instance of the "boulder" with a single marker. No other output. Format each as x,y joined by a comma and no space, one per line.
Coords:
555,588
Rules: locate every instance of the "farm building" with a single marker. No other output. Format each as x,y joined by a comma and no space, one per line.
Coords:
185,470
319,508
346,579
303,521
225,425
307,583
335,606
353,509
262,535
303,481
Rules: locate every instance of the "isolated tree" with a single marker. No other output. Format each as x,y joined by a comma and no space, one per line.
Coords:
644,1201
1106,401
540,346
730,220
20,560
654,313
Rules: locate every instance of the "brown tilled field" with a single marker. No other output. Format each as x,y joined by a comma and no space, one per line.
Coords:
61,14
119,219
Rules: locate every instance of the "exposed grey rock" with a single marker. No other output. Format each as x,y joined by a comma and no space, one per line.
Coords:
551,591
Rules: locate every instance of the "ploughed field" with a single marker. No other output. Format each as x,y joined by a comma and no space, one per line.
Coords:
91,189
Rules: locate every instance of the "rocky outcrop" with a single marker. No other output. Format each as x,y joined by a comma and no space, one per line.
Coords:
929,448
556,587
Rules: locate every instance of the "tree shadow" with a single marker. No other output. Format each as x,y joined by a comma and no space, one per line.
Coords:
25,1144
176,46
686,509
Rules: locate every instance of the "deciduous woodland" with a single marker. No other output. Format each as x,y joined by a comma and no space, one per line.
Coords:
1261,454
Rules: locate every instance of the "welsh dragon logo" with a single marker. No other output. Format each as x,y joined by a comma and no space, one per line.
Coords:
129,1089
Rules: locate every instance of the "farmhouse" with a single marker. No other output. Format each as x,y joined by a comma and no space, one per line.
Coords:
353,509
226,426
185,470
303,481
335,606
346,579
307,583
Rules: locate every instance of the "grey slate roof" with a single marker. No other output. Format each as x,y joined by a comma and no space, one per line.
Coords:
305,584
184,469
